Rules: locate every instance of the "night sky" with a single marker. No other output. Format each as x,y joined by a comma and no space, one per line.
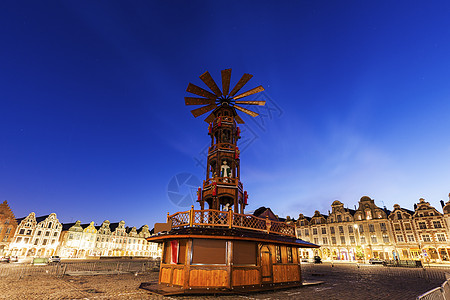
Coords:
93,123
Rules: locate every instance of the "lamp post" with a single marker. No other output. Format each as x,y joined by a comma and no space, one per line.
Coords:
357,239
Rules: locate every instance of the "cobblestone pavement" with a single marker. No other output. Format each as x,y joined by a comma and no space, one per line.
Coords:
343,281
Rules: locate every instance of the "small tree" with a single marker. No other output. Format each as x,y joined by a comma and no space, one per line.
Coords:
359,252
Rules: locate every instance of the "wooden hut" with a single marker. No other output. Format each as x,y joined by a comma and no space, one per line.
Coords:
215,251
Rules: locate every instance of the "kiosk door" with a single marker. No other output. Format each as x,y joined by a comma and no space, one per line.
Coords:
266,265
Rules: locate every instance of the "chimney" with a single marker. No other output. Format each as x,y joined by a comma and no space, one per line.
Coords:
415,206
442,203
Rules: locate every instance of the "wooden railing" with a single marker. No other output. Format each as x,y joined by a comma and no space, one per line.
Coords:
222,146
221,180
228,219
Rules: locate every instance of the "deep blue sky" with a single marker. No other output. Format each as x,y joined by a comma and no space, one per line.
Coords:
93,123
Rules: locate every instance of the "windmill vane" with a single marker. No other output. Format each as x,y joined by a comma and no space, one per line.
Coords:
219,98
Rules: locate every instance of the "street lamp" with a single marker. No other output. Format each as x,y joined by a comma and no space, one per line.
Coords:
357,238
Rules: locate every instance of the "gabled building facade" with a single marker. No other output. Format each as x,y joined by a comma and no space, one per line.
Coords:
36,236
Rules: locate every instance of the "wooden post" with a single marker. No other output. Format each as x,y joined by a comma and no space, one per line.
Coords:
191,216
267,224
167,217
230,264
230,218
187,266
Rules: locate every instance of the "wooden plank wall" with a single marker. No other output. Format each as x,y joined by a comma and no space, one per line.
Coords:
246,277
285,273
208,278
165,275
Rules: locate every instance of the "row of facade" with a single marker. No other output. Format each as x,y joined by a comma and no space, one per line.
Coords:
45,236
373,232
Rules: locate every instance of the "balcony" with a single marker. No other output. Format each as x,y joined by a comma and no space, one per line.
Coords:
227,219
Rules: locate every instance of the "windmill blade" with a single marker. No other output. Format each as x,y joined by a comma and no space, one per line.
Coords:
238,119
192,88
226,77
210,118
203,110
250,92
251,102
248,112
209,81
244,79
197,101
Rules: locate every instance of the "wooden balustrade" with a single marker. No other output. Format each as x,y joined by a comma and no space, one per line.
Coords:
222,146
217,218
222,180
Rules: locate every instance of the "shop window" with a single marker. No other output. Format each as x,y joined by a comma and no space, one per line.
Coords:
244,253
278,254
206,251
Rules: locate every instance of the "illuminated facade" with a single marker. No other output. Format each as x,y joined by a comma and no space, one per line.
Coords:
110,239
373,232
36,236
45,236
